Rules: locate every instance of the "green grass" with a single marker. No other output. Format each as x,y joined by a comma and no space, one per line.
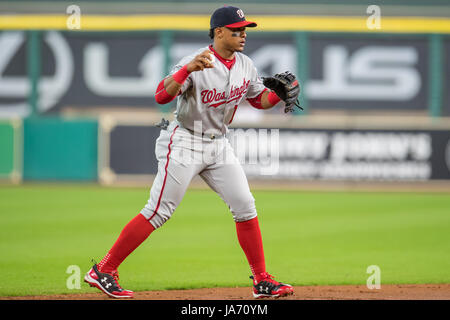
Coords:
310,238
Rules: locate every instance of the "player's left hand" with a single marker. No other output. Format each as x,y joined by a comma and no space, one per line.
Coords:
286,86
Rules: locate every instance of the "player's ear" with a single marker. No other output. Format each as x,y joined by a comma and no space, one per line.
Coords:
219,33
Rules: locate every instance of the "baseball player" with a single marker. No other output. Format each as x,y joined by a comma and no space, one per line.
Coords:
209,85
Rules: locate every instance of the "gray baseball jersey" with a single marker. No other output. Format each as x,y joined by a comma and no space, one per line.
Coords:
209,98
213,95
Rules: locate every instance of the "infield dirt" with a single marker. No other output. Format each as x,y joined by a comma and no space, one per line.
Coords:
348,292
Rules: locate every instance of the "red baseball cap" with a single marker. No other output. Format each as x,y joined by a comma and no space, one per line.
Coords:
231,17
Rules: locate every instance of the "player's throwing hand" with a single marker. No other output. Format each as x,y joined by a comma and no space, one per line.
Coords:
201,61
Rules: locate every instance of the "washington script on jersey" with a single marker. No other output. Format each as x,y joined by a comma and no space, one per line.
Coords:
236,93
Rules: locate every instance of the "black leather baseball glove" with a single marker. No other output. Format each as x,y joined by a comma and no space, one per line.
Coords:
286,86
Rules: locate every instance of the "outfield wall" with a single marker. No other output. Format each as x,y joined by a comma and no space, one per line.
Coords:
60,149
345,72
327,152
11,146
121,150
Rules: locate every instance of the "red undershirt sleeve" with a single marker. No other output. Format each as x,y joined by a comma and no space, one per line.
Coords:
162,96
256,101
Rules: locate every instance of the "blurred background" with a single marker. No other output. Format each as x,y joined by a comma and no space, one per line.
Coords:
78,78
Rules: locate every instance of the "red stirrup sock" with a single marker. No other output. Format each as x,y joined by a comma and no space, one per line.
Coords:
249,236
134,233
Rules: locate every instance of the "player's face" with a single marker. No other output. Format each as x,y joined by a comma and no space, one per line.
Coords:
235,38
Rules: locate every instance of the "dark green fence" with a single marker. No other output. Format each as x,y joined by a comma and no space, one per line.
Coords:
7,149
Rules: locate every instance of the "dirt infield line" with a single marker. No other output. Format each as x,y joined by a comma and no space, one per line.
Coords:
348,292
